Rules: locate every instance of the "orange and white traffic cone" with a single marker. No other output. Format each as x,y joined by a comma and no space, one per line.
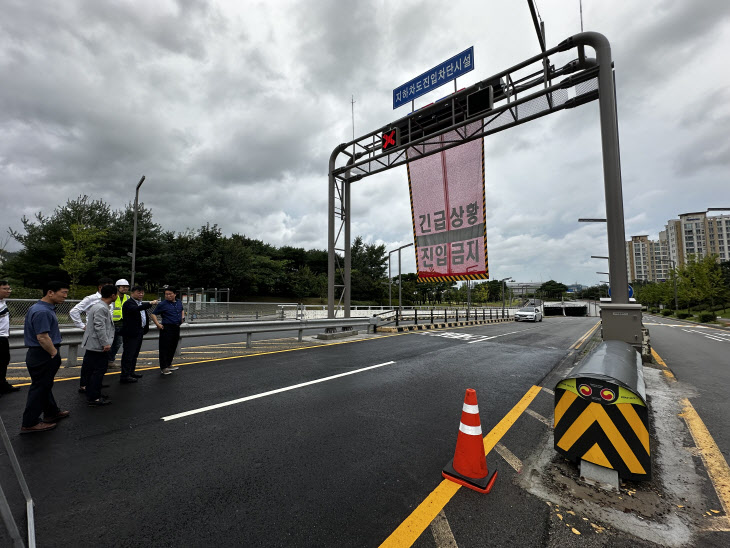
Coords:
469,465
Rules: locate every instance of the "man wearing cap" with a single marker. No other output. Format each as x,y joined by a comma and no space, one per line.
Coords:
86,303
117,315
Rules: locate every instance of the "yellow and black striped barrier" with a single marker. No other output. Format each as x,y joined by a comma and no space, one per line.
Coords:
601,414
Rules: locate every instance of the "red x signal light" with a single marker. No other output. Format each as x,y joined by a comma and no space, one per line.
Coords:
390,139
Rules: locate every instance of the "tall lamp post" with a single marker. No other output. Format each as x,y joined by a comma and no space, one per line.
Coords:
503,280
390,280
134,233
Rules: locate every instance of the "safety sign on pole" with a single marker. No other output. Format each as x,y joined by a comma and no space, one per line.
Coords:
448,202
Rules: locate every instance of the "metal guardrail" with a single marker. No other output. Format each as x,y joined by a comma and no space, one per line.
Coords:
198,312
601,413
72,336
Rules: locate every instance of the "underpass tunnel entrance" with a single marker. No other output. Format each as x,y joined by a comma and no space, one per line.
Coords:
565,309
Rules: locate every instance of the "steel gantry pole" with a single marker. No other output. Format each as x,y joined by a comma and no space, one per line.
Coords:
611,163
331,229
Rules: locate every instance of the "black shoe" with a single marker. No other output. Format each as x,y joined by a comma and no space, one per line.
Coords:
127,380
137,375
98,403
8,388
105,386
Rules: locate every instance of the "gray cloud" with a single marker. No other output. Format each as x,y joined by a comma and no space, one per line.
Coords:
231,110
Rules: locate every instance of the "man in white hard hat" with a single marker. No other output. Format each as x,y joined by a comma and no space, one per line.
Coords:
122,289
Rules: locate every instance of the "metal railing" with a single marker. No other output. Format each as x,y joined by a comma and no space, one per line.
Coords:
424,315
72,336
196,311
199,312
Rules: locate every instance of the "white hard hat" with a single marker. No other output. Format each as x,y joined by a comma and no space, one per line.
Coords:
121,282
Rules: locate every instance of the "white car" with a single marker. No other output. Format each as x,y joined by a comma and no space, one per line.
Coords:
528,313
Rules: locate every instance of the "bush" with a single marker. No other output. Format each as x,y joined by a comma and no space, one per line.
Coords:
707,317
683,315
667,312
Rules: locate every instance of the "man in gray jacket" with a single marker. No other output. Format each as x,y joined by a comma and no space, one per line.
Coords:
97,340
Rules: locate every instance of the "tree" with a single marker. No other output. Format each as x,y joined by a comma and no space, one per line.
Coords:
553,289
41,255
368,271
81,252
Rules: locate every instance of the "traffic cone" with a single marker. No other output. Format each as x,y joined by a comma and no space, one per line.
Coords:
469,465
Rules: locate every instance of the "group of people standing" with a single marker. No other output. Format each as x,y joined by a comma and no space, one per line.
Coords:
115,317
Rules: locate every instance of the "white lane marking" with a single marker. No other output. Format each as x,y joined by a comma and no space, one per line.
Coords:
548,391
442,532
539,417
509,457
716,338
270,392
495,336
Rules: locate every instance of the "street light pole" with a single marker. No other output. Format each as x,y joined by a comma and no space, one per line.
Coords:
134,233
503,280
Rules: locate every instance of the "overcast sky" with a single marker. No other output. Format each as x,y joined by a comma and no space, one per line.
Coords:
231,110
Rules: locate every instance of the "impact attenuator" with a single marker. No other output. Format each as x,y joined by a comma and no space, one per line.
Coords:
601,415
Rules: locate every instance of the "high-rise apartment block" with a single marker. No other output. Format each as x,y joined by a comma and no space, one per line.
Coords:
647,260
693,235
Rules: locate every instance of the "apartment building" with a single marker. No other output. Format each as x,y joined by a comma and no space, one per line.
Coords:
699,234
648,260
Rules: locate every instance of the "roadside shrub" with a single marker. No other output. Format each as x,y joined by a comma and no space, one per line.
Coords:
707,317
667,312
683,315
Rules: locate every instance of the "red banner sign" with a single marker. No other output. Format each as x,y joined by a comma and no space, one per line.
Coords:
448,211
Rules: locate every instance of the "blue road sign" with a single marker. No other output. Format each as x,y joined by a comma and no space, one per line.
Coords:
447,71
631,292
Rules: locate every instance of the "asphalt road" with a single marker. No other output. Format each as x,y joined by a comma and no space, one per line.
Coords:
699,357
339,462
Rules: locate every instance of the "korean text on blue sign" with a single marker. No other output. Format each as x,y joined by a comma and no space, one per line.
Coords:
449,70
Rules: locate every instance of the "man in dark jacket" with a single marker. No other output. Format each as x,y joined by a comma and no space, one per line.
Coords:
136,324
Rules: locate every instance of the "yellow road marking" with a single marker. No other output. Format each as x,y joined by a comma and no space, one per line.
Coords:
715,463
658,358
660,361
413,526
584,337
